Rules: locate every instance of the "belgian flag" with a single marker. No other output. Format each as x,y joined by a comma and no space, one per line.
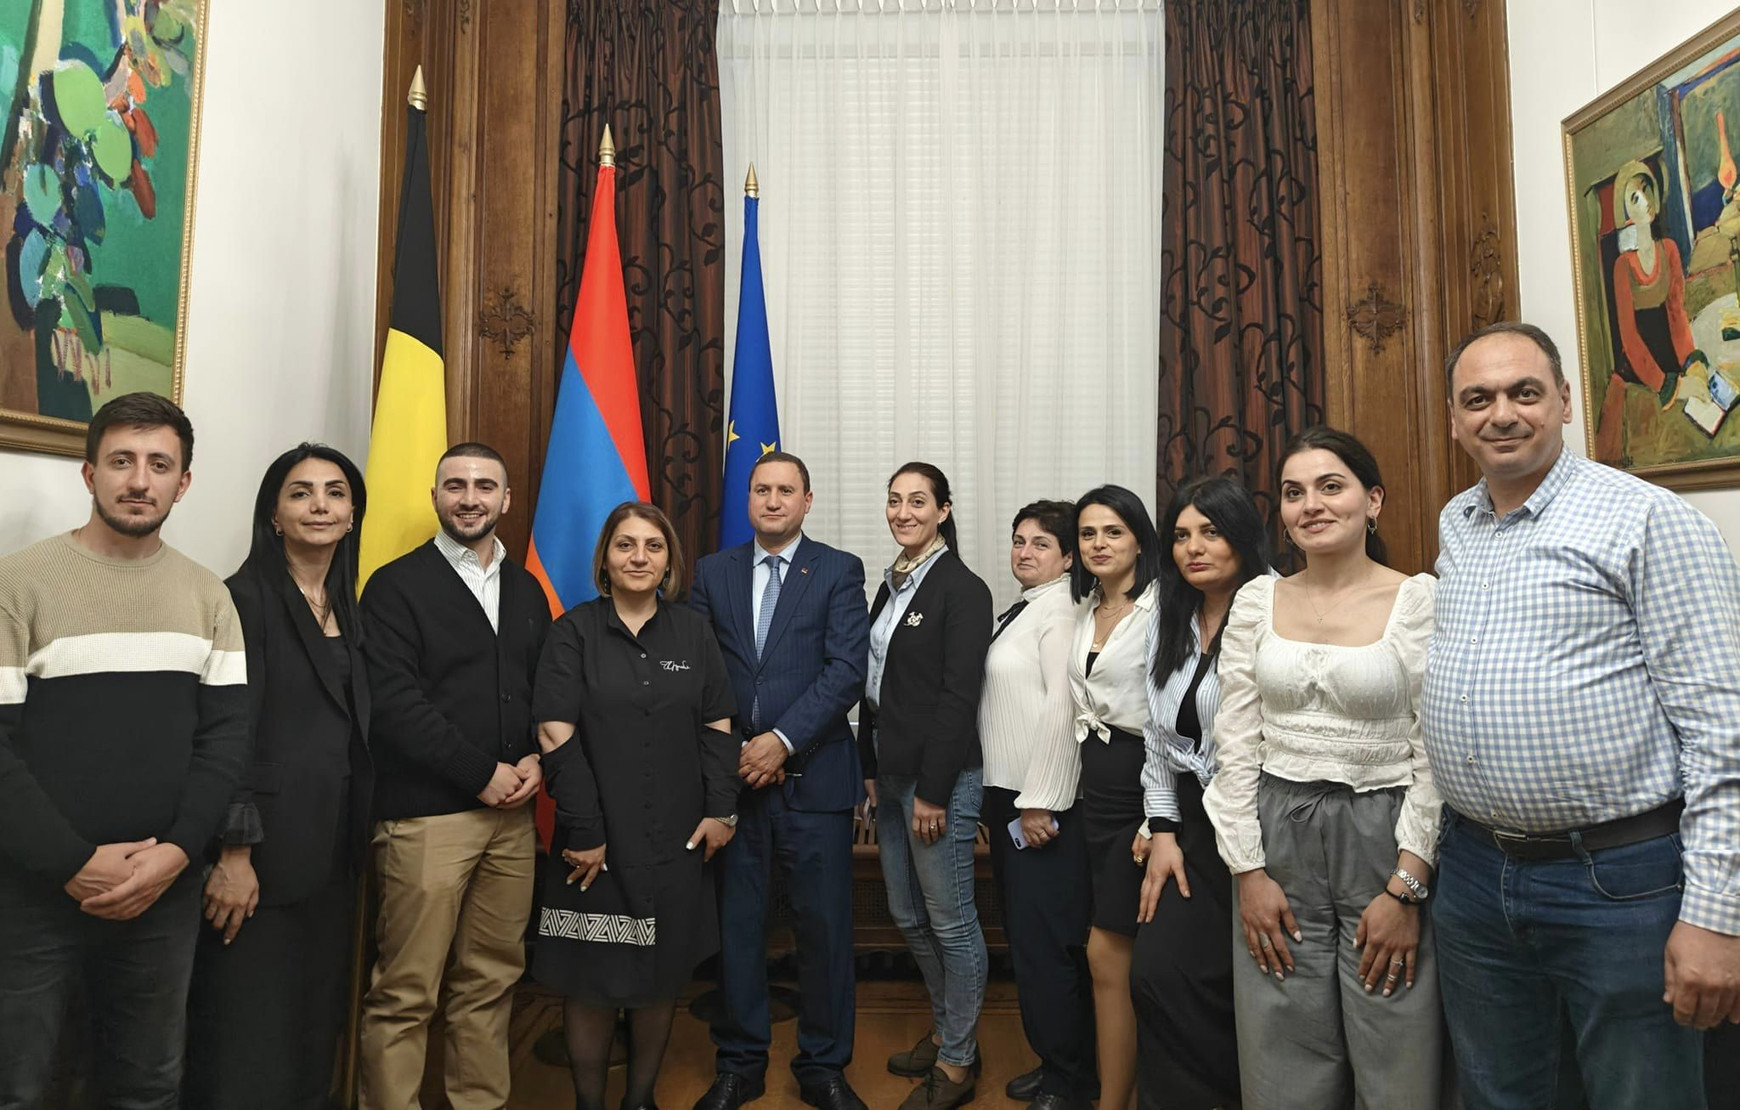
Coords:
410,428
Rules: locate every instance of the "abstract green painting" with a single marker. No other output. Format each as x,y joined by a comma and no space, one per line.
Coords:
99,125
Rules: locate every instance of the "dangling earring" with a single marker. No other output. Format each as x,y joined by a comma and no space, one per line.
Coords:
1371,525
276,530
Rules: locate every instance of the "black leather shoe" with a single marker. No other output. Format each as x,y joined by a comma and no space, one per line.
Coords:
730,1091
1045,1100
832,1093
1025,1087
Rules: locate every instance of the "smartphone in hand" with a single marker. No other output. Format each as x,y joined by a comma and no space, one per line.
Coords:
1020,840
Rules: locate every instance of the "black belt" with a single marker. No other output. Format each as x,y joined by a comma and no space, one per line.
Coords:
1638,827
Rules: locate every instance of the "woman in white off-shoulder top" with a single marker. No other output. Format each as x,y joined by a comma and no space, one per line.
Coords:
1323,805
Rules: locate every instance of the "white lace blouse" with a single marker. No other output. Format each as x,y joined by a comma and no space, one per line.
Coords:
1321,712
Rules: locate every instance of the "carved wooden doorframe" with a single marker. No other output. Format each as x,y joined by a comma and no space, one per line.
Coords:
1419,231
493,71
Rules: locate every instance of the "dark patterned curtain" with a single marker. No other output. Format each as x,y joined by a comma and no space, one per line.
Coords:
647,67
1241,332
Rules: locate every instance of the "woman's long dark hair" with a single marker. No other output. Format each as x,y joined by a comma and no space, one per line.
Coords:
266,555
1359,461
1134,514
939,491
1234,513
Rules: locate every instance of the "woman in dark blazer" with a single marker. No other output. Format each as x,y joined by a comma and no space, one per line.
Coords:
929,630
267,1005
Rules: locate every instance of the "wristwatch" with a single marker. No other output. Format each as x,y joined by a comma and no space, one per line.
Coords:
1415,887
729,822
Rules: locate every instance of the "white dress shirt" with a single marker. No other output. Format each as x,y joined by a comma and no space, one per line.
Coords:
1027,713
483,582
1116,694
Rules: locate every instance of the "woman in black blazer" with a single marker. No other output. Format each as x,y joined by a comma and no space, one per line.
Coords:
267,1004
929,630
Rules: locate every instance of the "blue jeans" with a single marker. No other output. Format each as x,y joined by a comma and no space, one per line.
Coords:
1522,942
930,896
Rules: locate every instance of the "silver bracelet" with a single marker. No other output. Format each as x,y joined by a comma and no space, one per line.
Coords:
1415,887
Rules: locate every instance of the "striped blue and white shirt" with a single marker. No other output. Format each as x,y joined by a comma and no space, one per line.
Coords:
1170,754
1586,667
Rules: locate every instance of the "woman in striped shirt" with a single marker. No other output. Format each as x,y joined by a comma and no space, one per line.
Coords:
1181,974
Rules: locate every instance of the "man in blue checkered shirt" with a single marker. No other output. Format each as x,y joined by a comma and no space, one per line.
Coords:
1582,716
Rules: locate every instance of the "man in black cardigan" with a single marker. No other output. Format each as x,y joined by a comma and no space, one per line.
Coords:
455,629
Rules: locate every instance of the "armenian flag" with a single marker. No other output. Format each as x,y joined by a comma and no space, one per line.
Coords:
597,456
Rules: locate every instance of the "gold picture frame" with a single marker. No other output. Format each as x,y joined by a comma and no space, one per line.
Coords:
1654,200
99,164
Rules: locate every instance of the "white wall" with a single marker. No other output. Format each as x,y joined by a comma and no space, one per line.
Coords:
1563,54
280,329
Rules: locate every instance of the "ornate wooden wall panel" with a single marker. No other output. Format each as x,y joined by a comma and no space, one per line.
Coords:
493,73
1418,230
1418,223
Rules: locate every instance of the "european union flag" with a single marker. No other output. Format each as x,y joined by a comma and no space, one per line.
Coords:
753,428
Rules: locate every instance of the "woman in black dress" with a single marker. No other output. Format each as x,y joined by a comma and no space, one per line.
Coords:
267,1003
1181,972
634,716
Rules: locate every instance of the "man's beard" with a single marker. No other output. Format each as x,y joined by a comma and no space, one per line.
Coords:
456,531
136,527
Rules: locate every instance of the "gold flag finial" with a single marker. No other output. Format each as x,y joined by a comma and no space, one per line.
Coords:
418,97
607,149
752,187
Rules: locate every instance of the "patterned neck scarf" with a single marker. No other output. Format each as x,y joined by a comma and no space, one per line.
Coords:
905,564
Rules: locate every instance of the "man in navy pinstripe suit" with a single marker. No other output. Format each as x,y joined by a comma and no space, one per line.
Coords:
790,617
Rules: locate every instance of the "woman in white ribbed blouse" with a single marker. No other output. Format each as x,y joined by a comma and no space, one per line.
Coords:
1323,804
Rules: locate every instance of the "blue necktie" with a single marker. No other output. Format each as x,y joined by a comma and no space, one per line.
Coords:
764,621
769,602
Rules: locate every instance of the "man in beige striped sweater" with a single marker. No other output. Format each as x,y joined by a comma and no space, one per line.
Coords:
123,727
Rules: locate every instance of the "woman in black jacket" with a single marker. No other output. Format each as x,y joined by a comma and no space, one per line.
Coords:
267,1004
929,631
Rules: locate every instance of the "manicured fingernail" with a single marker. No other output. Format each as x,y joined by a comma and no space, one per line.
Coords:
1368,989
1298,936
583,887
1386,992
571,882
1279,978
690,846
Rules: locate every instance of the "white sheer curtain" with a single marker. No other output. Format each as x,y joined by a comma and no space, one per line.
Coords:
960,239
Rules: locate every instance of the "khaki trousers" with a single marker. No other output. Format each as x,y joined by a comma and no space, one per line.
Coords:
456,891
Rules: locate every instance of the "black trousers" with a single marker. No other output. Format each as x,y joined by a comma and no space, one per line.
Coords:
266,1012
1047,902
1181,979
134,974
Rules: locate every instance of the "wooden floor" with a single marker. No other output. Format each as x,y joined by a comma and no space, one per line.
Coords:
891,1016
